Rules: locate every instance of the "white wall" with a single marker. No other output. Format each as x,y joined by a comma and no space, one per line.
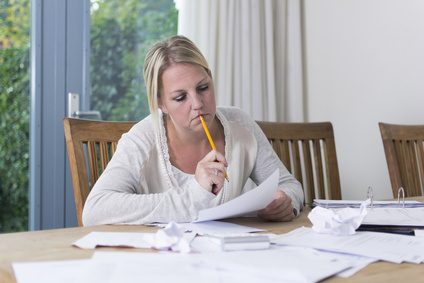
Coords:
364,65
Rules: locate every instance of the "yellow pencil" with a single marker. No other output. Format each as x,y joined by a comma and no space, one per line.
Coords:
210,139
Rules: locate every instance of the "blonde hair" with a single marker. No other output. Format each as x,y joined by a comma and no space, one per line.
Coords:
162,55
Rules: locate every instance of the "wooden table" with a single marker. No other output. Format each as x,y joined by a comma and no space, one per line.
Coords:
56,245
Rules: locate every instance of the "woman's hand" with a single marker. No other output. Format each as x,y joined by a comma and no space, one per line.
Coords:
280,209
210,172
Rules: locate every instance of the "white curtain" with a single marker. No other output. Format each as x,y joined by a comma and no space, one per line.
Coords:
254,51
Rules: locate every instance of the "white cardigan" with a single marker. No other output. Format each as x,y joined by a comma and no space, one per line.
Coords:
141,186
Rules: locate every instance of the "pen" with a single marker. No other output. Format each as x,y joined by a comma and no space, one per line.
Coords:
210,139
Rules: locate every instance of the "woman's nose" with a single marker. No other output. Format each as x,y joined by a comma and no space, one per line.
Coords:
197,102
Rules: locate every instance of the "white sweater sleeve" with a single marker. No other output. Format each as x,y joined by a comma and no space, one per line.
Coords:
133,188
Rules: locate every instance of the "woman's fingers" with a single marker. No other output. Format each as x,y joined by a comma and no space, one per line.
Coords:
210,173
215,156
280,209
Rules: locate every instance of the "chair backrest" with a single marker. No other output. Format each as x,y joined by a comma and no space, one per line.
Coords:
403,146
308,151
90,143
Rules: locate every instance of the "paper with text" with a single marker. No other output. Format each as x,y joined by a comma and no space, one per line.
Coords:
383,246
395,216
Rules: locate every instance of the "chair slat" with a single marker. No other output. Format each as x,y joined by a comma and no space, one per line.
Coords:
309,172
92,161
420,153
104,155
113,146
400,152
297,164
276,145
407,168
319,169
330,158
414,167
285,157
420,158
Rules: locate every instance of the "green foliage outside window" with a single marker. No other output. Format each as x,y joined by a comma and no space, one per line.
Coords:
14,114
121,34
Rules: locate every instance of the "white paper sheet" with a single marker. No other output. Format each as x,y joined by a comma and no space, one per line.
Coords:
218,227
204,245
64,271
395,216
358,263
383,246
419,233
114,239
278,264
253,200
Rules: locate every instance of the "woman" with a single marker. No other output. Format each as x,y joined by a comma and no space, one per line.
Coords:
165,169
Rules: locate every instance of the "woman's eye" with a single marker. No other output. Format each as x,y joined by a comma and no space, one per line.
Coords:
180,98
203,88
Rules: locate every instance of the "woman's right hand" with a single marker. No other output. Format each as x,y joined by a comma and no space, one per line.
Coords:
210,172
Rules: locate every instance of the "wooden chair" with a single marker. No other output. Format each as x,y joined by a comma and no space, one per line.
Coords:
308,151
90,143
403,146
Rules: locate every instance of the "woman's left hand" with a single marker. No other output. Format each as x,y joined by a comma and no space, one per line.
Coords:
280,209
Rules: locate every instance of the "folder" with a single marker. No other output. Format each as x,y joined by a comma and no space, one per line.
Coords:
399,217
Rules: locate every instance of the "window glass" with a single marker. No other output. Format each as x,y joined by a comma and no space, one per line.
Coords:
121,33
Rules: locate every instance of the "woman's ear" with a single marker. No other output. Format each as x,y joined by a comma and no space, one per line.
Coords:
163,108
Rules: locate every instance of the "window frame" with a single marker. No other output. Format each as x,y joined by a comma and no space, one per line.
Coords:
60,62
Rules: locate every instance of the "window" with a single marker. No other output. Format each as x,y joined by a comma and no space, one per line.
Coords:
121,33
95,49
14,114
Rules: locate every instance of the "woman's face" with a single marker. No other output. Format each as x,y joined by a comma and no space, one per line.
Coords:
187,91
